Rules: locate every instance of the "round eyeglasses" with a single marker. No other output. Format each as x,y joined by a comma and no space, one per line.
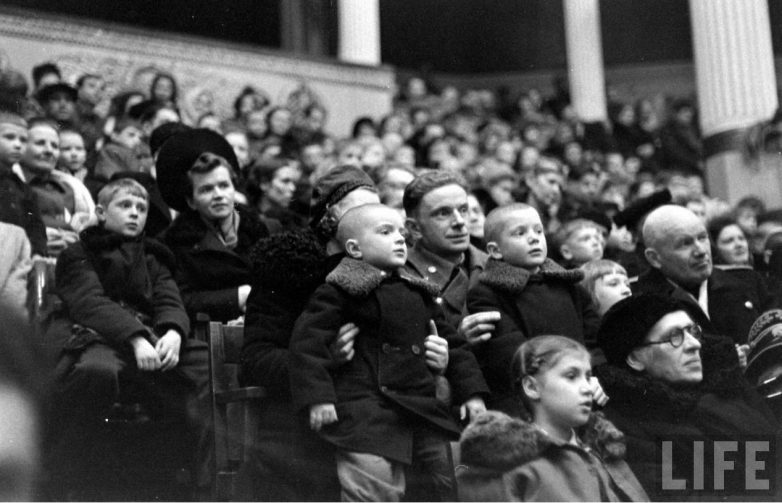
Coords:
675,336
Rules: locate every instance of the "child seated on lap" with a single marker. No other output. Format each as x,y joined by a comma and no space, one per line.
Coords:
535,296
123,314
380,409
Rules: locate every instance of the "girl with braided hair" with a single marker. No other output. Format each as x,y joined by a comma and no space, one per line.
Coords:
562,452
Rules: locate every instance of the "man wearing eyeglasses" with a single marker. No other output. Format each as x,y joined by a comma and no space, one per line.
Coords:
724,302
673,385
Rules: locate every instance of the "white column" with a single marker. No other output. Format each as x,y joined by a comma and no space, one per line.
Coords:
734,63
734,69
359,31
585,59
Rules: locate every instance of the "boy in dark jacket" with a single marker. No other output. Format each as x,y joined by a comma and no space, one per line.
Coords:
380,409
535,296
125,323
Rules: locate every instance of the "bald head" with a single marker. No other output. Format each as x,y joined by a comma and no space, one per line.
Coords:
365,217
678,245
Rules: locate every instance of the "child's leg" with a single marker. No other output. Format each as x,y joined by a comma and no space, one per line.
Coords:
432,460
368,477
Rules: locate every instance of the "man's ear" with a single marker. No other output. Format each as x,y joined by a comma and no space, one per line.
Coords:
190,202
634,362
352,248
531,387
652,257
413,228
493,249
566,253
100,212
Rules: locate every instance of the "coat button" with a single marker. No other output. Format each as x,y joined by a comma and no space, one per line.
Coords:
439,300
386,347
432,269
748,305
384,389
416,349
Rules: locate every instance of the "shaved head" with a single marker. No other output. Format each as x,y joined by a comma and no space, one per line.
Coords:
497,220
364,217
677,244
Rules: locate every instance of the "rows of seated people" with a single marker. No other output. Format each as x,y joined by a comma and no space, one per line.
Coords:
393,286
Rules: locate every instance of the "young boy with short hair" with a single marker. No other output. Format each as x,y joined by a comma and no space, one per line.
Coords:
578,241
18,202
123,321
380,409
534,294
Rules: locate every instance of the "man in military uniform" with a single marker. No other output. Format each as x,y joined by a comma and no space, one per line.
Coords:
436,207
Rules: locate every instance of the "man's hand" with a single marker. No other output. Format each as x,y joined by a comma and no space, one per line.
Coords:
322,414
167,348
147,358
599,396
471,408
436,350
342,349
477,327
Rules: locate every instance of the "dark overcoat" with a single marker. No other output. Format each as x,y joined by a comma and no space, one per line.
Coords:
208,273
387,386
547,303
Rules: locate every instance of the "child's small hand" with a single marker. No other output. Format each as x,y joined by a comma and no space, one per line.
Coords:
167,348
322,414
146,357
743,351
599,396
471,408
436,350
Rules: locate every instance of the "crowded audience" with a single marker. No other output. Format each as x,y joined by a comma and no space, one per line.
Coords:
562,295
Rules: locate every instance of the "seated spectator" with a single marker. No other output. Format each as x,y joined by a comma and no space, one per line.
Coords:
544,184
579,241
59,104
668,381
534,295
606,282
391,183
476,218
73,154
212,236
119,154
764,360
238,139
45,74
564,452
377,432
271,185
18,204
163,90
122,316
723,302
729,245
151,116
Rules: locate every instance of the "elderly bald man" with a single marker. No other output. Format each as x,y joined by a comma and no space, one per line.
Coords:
726,301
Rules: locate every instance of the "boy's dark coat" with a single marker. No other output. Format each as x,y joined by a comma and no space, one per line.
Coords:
110,284
547,303
387,384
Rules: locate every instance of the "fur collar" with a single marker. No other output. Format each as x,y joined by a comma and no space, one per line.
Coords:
639,392
513,280
188,229
97,240
359,278
499,442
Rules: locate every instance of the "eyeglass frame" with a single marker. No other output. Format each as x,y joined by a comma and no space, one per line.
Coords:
694,329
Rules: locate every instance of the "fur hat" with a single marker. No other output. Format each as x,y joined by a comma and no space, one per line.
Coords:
177,156
627,323
765,342
45,93
332,187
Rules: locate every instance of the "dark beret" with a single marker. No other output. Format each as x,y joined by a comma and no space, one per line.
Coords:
333,186
633,214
